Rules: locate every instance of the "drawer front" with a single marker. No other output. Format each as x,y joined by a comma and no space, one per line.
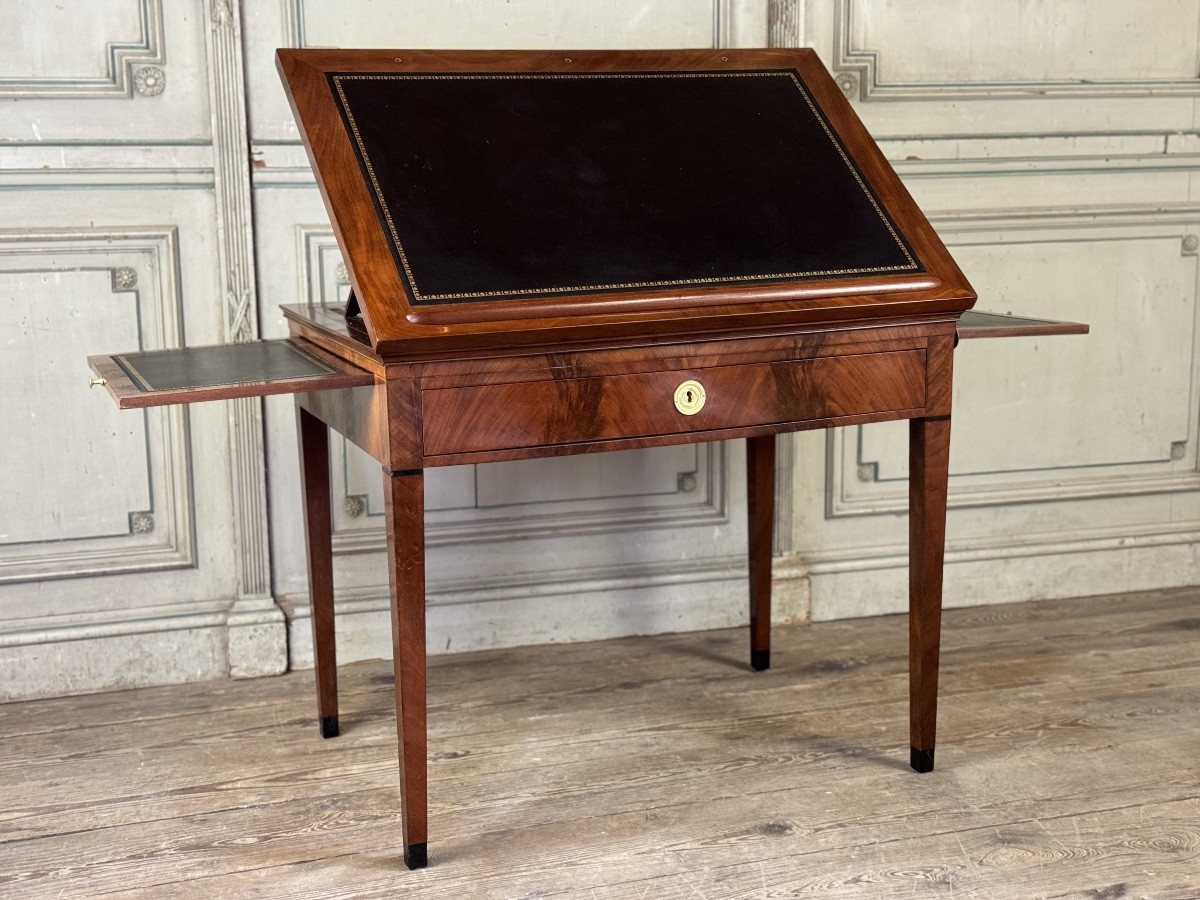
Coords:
575,410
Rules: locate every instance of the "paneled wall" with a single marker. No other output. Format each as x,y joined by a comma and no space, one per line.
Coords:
132,547
155,194
1054,148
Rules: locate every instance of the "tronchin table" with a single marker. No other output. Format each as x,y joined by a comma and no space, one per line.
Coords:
557,253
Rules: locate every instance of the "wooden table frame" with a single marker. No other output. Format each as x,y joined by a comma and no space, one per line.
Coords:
392,408
378,406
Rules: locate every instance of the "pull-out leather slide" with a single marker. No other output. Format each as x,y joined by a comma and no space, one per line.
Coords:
222,372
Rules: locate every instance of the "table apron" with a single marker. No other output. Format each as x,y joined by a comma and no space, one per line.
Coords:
573,411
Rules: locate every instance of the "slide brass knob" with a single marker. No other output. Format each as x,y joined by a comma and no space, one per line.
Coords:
690,397
97,382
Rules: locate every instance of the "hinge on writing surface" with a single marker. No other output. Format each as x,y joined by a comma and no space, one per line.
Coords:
355,326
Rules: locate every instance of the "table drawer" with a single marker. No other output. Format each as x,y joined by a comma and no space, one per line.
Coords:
575,410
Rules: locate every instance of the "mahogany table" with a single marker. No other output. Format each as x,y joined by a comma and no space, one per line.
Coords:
556,253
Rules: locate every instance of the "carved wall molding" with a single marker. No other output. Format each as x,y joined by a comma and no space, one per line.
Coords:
161,536
141,523
200,642
857,71
124,278
106,625
569,582
1109,539
235,250
149,81
722,21
1006,488
556,586
850,467
785,28
1025,165
1119,217
785,494
123,57
105,164
582,605
324,280
705,506
785,23
295,34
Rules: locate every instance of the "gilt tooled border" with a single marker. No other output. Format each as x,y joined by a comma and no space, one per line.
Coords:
337,78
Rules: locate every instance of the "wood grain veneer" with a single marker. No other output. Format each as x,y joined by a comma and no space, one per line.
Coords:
577,410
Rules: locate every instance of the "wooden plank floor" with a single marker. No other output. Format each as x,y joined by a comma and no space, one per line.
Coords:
1068,766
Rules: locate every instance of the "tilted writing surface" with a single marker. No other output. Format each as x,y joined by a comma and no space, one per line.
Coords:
539,184
510,199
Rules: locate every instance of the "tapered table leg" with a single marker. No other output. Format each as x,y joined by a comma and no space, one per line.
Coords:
929,468
404,492
760,489
318,532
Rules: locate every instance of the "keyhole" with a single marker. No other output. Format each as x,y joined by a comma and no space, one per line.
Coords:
689,397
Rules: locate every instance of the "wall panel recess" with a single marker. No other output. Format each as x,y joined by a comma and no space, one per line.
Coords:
1052,146
67,295
123,551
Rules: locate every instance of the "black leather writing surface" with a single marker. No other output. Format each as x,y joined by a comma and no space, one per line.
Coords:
225,364
492,186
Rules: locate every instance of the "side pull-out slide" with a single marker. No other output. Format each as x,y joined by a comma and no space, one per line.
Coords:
972,324
261,368
223,372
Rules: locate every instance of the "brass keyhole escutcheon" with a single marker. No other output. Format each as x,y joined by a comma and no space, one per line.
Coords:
690,397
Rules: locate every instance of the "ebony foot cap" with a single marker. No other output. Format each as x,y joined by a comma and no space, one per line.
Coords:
921,760
329,726
760,660
414,856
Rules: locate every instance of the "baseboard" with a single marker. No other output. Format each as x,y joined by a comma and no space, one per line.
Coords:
583,610
82,656
852,592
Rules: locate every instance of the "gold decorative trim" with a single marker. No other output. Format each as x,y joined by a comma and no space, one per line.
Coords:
337,79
